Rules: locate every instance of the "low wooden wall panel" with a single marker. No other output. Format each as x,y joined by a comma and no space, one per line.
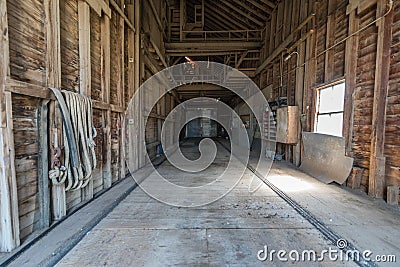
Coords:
26,161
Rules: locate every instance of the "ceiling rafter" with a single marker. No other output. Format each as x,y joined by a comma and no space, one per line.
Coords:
260,13
255,3
269,3
218,21
242,13
222,11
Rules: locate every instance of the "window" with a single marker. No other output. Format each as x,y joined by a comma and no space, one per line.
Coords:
330,106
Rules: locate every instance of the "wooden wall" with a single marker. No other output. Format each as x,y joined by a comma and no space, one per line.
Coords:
46,44
367,62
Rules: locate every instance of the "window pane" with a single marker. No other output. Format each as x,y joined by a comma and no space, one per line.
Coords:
330,124
332,99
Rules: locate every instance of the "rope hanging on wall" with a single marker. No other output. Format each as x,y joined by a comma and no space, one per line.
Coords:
78,135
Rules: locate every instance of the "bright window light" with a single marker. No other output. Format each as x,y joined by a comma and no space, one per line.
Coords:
330,110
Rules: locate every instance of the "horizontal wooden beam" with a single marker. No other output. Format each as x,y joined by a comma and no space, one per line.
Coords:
219,46
27,89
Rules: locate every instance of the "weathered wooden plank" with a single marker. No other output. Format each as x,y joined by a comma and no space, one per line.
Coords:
382,74
85,71
350,70
9,216
53,65
393,195
122,171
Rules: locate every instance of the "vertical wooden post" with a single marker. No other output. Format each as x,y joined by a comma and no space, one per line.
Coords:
85,68
382,72
131,85
53,79
105,89
181,18
350,70
9,217
139,75
311,76
299,89
122,97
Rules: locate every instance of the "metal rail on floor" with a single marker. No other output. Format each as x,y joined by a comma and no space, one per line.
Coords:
306,214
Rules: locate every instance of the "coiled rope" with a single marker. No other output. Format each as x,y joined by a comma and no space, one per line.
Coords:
79,145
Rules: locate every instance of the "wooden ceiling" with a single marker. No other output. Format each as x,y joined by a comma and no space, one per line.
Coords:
234,14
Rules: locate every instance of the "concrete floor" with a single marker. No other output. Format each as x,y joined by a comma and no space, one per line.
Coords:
141,231
229,232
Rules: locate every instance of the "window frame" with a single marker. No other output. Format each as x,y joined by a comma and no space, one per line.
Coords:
318,102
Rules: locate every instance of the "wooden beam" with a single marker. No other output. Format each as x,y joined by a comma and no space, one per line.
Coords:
269,3
158,52
382,73
9,218
242,13
105,89
242,57
260,6
52,121
194,53
251,10
121,100
223,12
85,73
350,71
157,17
182,18
138,105
214,45
130,155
